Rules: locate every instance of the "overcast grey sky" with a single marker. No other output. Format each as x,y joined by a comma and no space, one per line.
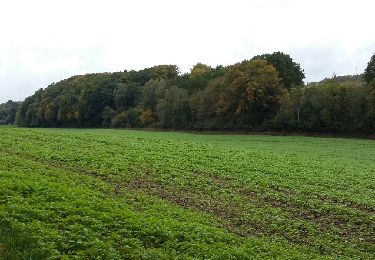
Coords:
46,41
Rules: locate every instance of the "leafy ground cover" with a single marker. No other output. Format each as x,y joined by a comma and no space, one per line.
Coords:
121,194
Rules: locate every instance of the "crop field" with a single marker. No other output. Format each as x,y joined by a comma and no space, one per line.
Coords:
123,194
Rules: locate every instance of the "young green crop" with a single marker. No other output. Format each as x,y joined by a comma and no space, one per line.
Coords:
118,194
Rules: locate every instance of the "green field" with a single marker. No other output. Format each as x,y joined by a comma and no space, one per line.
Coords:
120,194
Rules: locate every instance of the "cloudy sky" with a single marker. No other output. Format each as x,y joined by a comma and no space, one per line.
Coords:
45,41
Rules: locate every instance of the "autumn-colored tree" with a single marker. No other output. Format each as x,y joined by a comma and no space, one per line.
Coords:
252,92
200,69
147,117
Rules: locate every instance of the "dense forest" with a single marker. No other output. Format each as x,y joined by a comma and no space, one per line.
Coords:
8,112
264,93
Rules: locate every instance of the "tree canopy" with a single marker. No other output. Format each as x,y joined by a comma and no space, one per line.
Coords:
8,112
251,93
289,71
370,70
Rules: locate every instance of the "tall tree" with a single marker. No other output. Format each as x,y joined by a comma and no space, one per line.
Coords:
252,93
126,95
204,105
173,110
289,71
370,70
152,91
8,112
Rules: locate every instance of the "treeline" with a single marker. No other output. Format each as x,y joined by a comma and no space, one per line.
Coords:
8,112
264,93
329,107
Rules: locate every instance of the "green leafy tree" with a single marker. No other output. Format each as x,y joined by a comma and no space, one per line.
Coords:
204,105
370,70
173,110
107,115
8,112
133,119
152,92
93,99
289,71
126,95
166,72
